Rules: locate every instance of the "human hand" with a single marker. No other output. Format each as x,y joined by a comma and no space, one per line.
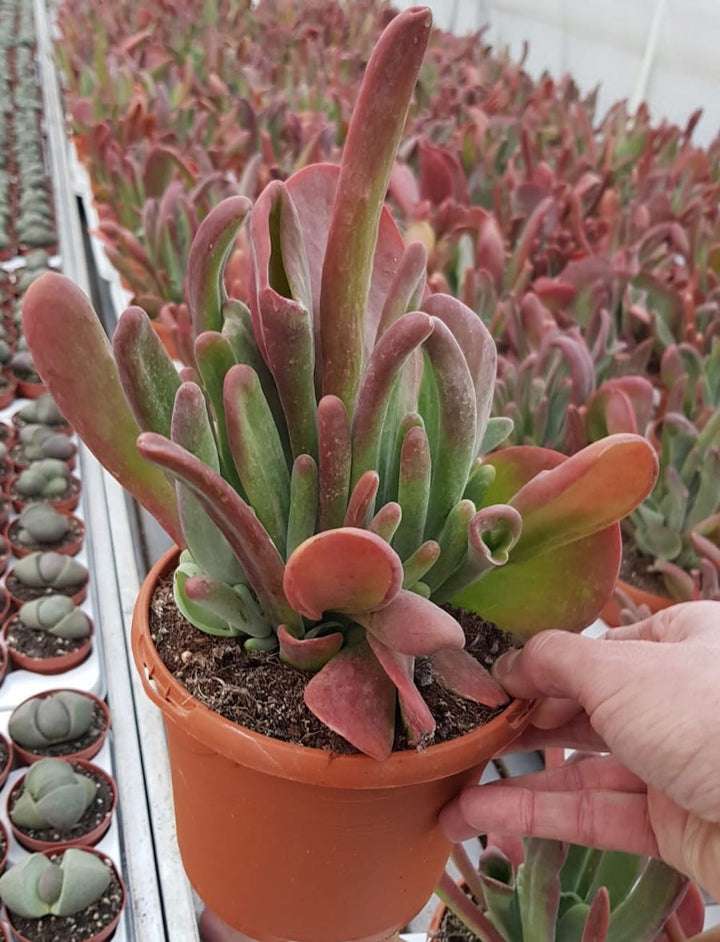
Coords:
650,701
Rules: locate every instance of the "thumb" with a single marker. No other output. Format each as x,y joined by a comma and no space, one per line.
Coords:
551,664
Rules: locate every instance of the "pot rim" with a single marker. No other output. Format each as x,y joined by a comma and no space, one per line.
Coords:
304,763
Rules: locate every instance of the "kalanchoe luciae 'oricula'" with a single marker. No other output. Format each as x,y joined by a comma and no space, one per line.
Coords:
61,716
37,887
326,445
53,795
562,891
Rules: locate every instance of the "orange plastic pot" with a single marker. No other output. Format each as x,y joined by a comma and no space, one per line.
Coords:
288,842
610,613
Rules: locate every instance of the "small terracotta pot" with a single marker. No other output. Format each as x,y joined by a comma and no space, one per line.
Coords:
6,843
46,665
27,389
5,769
8,392
70,549
353,842
5,603
26,757
165,335
103,934
4,662
610,613
88,839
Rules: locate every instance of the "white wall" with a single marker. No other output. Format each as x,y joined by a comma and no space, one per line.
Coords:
665,51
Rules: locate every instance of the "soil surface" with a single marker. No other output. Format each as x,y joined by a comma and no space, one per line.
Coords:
93,817
28,593
78,927
37,643
635,569
260,692
452,930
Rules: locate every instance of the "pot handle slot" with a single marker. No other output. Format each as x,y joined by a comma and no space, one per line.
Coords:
159,689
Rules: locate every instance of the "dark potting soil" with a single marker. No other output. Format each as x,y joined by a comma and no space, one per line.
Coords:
100,808
452,930
260,692
96,729
77,927
34,642
635,570
4,753
73,534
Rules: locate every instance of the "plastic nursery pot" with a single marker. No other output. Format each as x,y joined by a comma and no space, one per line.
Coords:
57,664
8,391
4,662
7,757
165,336
72,545
353,843
610,613
27,757
101,935
27,388
85,839
4,851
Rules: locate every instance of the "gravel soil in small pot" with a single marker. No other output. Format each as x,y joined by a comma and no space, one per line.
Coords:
41,528
94,922
4,553
43,574
74,725
40,650
7,435
59,804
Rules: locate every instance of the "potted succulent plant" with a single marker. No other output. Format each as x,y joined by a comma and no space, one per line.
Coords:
59,804
338,521
48,635
40,574
72,724
559,891
41,411
77,893
41,528
49,480
35,442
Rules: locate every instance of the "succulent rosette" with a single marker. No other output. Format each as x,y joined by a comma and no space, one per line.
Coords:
331,445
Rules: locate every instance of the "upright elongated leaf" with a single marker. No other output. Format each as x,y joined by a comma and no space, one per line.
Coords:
209,252
147,374
370,148
257,554
257,451
58,321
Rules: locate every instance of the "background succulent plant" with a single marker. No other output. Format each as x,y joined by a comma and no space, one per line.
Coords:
56,615
59,717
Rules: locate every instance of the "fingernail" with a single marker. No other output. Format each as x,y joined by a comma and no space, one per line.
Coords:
504,664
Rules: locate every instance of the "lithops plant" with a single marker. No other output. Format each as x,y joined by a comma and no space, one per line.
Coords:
50,571
60,717
46,479
36,442
38,887
41,411
53,795
56,615
38,524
